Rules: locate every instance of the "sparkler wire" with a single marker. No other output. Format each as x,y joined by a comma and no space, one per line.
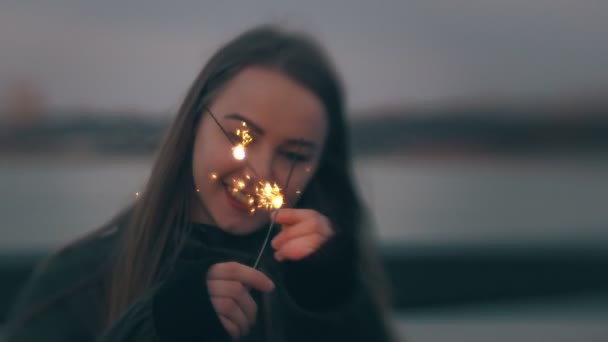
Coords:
274,214
273,217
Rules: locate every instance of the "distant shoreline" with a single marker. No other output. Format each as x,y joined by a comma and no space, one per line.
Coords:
405,157
67,158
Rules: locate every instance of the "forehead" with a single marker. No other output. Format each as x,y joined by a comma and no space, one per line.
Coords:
280,106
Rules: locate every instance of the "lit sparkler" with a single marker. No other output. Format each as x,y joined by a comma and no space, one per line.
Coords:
269,196
246,138
238,151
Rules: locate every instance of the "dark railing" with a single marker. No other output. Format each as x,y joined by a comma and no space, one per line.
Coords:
438,276
447,277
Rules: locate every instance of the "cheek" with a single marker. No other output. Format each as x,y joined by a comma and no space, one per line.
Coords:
211,155
207,169
203,166
297,184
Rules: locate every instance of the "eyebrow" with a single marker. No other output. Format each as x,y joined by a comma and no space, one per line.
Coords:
301,143
292,142
239,117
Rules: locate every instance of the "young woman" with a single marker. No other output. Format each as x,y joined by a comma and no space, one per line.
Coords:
178,265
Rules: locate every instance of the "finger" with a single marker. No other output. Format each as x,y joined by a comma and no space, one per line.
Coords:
299,248
229,309
235,290
233,329
296,231
248,276
289,216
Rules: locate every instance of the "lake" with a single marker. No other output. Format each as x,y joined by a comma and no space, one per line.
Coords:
413,202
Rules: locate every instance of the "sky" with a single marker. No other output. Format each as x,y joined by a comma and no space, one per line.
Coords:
136,54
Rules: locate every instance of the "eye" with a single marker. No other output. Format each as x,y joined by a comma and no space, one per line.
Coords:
233,137
295,157
238,139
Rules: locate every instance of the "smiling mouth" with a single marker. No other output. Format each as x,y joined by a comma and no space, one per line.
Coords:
240,196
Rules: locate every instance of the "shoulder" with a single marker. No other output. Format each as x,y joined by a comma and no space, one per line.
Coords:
51,305
82,255
69,266
78,258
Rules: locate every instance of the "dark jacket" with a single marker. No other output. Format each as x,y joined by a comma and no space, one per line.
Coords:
321,298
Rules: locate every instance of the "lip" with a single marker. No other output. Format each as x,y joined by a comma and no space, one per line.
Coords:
234,203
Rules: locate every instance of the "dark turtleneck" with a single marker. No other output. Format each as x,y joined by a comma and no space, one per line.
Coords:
182,307
205,237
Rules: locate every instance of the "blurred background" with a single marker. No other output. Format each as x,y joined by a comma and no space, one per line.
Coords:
480,130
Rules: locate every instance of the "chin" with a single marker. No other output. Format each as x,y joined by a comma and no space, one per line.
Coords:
237,221
240,228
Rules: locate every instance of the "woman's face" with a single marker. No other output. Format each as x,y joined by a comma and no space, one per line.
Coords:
285,121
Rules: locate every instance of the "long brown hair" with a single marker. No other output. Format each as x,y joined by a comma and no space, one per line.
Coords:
158,223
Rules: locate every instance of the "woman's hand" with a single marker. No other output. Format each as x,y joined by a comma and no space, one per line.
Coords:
228,284
303,232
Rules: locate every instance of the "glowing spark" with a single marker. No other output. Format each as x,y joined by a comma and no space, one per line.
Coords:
298,192
137,194
238,185
213,175
198,190
246,138
277,202
238,152
269,196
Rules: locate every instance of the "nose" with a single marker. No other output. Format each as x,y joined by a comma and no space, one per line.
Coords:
260,166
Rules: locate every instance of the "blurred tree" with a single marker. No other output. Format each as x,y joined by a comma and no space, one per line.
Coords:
25,103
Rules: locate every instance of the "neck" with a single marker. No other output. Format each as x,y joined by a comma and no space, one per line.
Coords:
199,213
